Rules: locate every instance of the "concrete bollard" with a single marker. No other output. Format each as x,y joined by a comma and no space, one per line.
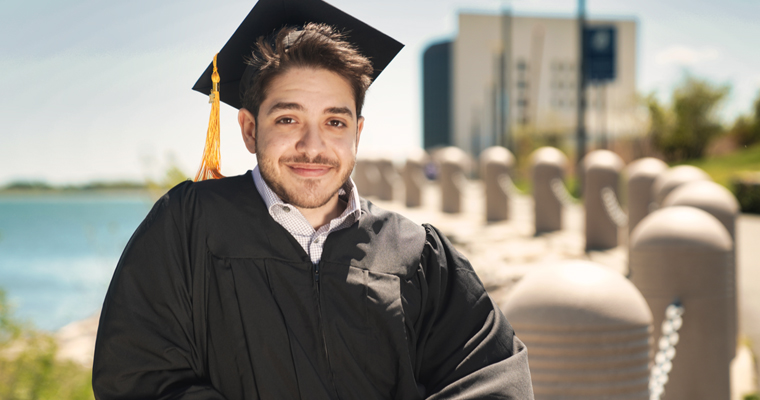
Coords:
414,177
548,164
708,196
601,170
675,177
496,166
387,177
685,254
588,330
721,204
366,176
452,178
641,175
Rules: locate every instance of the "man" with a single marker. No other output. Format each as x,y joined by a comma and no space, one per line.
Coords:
283,283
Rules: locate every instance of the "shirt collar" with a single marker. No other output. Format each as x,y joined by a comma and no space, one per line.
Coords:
347,192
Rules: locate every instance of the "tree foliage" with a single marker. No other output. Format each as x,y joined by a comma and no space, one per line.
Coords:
746,129
683,130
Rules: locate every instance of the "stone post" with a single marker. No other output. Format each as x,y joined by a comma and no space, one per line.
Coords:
384,189
601,170
366,176
685,254
548,164
414,177
496,166
641,175
587,329
721,204
452,178
675,177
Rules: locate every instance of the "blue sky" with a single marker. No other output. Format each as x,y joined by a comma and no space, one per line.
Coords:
97,90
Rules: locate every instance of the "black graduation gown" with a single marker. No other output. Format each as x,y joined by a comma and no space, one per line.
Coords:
213,299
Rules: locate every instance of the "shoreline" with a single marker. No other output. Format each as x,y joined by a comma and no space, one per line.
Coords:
76,341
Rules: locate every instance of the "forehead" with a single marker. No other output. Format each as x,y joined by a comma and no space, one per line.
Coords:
309,84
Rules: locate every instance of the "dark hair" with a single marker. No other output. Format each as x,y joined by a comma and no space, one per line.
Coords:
314,46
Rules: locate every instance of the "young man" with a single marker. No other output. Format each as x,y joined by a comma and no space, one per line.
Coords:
283,283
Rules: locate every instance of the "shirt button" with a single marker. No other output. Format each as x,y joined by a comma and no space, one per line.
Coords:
317,240
286,209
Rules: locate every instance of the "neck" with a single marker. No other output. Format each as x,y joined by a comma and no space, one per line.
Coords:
320,216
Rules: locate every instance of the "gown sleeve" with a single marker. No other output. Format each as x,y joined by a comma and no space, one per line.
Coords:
148,346
466,349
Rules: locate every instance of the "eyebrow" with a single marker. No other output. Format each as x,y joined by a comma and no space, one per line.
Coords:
285,106
339,110
298,107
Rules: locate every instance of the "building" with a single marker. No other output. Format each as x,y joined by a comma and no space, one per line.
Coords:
539,56
436,83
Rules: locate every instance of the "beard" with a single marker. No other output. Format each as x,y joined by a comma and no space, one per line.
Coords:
307,193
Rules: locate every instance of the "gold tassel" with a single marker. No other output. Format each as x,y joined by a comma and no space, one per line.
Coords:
211,162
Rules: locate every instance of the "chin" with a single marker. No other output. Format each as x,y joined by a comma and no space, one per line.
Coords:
307,193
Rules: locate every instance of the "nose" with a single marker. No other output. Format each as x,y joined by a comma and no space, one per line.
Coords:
311,142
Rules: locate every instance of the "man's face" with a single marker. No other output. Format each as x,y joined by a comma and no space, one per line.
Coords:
305,135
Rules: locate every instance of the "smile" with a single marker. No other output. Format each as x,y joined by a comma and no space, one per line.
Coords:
309,170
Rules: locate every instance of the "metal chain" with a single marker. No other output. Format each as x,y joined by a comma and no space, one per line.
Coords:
663,360
507,185
617,215
460,181
388,175
560,192
373,173
418,178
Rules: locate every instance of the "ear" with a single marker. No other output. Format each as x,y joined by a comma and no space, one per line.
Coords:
359,127
248,129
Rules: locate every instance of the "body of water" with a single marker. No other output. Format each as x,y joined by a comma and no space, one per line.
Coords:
58,252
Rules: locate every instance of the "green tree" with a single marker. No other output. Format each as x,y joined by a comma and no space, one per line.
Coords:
683,130
746,129
173,175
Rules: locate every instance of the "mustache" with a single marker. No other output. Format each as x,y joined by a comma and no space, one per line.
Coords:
318,160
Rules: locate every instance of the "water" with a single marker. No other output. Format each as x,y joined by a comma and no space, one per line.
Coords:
58,252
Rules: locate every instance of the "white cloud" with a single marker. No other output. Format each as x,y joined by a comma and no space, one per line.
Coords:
683,55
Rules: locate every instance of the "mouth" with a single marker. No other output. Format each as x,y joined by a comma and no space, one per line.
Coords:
310,170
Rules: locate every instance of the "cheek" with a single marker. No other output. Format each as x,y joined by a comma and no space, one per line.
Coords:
345,147
273,148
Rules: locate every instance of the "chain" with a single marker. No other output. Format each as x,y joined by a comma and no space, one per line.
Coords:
613,207
372,173
507,185
560,192
663,360
460,181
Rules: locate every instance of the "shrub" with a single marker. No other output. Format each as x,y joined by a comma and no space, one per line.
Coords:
746,187
29,369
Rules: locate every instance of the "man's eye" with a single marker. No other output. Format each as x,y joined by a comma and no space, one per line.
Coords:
337,123
285,120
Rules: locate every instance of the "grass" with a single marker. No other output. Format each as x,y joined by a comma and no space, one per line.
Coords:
723,168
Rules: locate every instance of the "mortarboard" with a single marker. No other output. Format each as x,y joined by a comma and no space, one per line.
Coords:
266,17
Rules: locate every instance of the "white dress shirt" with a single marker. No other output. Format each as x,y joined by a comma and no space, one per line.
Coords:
294,222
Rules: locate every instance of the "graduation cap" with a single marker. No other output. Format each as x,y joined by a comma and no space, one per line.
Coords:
266,17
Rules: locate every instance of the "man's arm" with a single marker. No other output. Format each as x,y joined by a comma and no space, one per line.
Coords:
147,345
466,348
